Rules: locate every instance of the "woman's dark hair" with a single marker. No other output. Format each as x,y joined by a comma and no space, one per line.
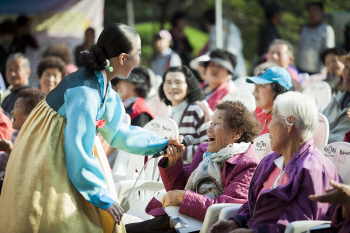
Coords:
178,15
223,54
318,4
195,92
141,88
277,89
51,62
239,117
114,40
59,50
336,51
209,16
31,97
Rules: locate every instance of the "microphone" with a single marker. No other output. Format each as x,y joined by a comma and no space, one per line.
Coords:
188,141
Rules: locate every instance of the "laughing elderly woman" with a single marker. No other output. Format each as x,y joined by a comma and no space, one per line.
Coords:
220,171
279,190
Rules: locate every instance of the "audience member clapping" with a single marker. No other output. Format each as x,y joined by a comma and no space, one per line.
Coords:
330,58
220,171
279,190
26,102
17,75
268,85
336,111
51,70
218,72
62,51
181,90
338,195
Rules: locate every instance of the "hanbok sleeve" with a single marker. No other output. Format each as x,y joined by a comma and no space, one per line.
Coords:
131,139
84,169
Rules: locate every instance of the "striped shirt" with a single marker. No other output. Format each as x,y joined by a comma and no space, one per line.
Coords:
194,121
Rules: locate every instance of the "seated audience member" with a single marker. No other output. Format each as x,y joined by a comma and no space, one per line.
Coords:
5,127
181,90
268,85
218,72
339,196
133,92
330,58
281,52
26,102
279,190
226,164
62,51
336,111
89,40
17,75
164,56
51,70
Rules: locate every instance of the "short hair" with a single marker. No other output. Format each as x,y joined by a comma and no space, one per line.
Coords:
238,116
51,62
209,16
59,50
22,20
15,56
31,97
302,108
223,54
176,16
285,42
8,27
195,91
318,4
336,51
271,10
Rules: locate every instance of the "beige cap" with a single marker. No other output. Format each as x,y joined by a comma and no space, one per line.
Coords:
344,57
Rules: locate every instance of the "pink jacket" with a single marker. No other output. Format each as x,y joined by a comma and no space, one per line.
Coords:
218,94
236,175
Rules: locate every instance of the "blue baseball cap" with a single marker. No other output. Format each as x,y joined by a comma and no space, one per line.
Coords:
273,75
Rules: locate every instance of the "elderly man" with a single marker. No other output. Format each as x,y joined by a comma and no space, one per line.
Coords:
314,39
280,52
17,75
336,111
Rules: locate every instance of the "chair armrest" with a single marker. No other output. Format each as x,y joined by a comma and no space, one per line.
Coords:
323,226
127,218
212,215
230,211
303,226
123,187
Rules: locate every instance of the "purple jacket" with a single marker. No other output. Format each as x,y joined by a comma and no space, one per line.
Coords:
310,173
236,175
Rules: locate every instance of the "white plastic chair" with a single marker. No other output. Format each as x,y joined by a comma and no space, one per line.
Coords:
244,96
321,92
149,184
321,132
242,84
262,146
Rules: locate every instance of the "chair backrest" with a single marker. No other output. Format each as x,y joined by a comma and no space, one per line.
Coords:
242,84
339,154
321,92
321,132
246,97
262,146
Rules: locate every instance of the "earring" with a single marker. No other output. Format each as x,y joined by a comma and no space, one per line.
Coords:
107,67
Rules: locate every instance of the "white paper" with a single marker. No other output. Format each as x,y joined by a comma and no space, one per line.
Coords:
191,224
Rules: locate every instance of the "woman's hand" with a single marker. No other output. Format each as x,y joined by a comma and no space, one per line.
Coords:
175,150
224,226
6,145
116,211
173,198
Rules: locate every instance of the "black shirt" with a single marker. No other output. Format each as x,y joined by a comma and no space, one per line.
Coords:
9,102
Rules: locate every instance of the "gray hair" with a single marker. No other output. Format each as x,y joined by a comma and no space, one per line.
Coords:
302,108
285,42
14,56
